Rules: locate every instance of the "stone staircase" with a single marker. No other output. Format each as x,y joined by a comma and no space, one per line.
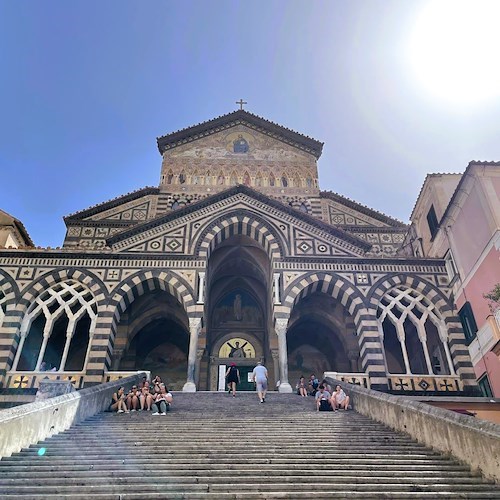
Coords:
212,445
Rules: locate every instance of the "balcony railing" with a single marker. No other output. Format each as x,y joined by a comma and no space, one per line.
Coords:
425,383
361,379
31,380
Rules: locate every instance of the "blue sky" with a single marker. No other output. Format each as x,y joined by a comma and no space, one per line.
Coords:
87,86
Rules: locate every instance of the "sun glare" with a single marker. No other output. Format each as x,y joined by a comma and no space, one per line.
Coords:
455,49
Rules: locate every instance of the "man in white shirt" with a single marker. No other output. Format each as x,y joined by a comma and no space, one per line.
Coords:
259,376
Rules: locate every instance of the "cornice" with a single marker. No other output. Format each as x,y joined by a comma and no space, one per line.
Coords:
373,229
100,207
391,221
238,117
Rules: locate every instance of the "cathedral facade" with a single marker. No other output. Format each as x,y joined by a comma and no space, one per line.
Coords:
236,256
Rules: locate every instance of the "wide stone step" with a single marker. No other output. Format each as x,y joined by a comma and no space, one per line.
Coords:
222,477
158,484
32,469
229,448
240,470
274,495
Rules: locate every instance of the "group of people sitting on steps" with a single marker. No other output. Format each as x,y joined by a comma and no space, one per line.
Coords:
146,396
326,399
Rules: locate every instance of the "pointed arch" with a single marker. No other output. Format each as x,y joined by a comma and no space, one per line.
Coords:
245,223
330,284
443,308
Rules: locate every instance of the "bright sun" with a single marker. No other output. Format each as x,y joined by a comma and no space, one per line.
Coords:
455,49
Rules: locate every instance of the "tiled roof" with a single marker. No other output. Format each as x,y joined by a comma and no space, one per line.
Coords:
236,117
106,205
435,174
8,220
391,221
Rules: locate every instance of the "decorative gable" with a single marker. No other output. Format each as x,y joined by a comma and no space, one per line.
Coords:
282,230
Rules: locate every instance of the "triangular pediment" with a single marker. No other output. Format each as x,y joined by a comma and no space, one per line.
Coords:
248,122
135,206
181,232
341,211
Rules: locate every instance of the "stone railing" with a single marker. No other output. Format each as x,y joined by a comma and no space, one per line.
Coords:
361,379
31,380
473,441
27,424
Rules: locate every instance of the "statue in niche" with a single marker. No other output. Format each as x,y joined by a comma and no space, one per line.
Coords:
170,177
240,145
237,350
182,178
284,182
238,316
246,179
220,180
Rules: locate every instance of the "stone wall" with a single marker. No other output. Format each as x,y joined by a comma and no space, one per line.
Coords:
475,442
28,424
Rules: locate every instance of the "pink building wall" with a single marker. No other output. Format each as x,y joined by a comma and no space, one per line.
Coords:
472,231
490,365
485,278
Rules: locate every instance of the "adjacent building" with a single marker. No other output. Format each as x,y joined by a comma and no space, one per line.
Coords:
457,218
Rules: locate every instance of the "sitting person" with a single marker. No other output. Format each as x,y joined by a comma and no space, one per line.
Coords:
132,399
146,398
118,401
340,399
328,387
163,400
323,399
301,387
156,383
313,384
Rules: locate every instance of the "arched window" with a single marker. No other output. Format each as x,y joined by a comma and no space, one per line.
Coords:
170,176
413,333
57,329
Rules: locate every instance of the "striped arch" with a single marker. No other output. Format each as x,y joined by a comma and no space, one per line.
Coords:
127,291
92,282
365,321
8,293
10,319
241,222
330,284
43,283
443,308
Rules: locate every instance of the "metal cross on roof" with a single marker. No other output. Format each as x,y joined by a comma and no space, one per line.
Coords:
241,102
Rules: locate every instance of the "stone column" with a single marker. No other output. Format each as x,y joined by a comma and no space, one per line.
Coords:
277,299
69,336
194,329
280,328
401,336
201,287
422,335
